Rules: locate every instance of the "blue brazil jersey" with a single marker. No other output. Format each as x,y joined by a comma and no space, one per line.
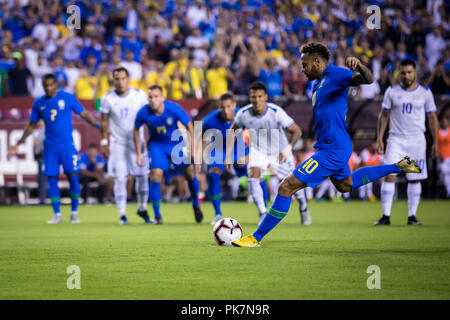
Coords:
333,146
161,127
162,150
330,102
214,120
57,115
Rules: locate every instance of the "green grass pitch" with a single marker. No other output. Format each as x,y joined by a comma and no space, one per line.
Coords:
180,260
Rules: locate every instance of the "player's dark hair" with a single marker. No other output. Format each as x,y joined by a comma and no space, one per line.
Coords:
316,48
120,69
226,96
258,86
407,62
93,145
155,87
49,76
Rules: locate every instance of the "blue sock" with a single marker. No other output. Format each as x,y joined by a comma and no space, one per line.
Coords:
194,188
54,194
275,214
155,197
368,174
74,192
265,192
215,191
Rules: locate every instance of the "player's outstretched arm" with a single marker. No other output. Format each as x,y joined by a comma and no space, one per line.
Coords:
383,120
104,127
363,75
89,118
12,150
434,127
137,147
295,134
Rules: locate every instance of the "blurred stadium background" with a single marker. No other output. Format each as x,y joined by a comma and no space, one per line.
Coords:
198,50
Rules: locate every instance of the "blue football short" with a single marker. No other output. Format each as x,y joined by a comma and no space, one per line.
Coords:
323,164
161,155
54,157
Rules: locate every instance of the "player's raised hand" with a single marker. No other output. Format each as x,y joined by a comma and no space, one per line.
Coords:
12,150
380,146
352,63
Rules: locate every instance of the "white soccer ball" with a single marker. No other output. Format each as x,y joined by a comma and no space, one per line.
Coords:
227,230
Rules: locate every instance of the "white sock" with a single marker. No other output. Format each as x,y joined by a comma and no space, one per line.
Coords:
322,189
120,194
414,190
234,185
387,195
447,183
369,189
257,194
142,191
362,191
274,182
309,193
300,196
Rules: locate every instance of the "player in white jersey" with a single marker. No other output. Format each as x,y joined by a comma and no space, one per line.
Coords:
404,107
269,146
118,111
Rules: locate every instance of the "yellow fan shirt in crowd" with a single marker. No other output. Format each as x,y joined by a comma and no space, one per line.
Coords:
181,65
217,82
178,89
84,88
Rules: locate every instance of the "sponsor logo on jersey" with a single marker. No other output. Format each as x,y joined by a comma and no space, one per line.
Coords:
169,121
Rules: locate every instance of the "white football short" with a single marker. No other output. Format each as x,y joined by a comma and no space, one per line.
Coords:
415,147
122,161
264,161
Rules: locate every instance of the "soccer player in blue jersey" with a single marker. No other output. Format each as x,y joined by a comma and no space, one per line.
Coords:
333,146
215,126
55,108
162,119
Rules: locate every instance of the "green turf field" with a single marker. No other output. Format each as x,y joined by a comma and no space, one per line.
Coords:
180,260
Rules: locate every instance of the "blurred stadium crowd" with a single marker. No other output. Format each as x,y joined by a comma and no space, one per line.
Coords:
203,49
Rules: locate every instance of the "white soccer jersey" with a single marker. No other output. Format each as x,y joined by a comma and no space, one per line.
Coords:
122,112
268,134
408,108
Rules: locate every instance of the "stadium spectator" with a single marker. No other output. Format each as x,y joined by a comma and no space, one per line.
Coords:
134,68
86,85
38,72
92,170
444,148
18,76
270,75
439,80
217,77
293,81
45,30
434,46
